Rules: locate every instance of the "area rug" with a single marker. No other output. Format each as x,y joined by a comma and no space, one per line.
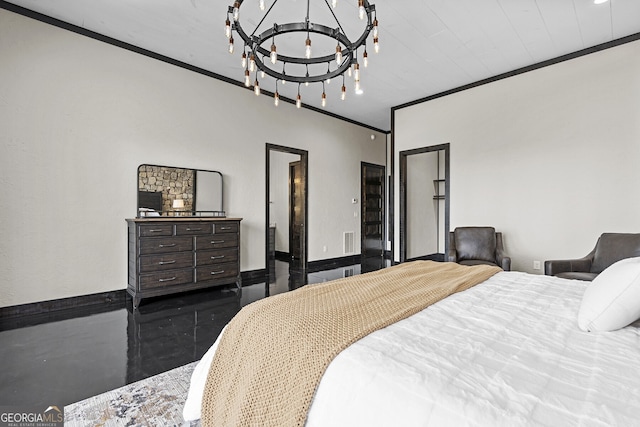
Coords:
155,401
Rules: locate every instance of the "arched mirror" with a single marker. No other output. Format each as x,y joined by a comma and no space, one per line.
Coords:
173,191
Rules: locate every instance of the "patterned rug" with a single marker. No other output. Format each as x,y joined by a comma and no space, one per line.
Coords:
155,401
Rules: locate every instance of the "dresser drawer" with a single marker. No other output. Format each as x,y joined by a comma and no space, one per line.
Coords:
193,228
216,271
165,279
148,230
216,257
226,227
151,263
216,241
159,245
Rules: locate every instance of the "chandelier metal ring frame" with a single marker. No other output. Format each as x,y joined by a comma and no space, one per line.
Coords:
254,44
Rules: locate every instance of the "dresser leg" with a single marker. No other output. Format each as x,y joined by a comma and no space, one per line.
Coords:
136,302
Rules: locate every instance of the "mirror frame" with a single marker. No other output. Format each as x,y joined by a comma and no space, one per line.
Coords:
190,214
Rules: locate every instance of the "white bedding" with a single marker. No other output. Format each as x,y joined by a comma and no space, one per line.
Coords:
506,352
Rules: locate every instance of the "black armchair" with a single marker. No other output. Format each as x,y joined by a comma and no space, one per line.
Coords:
477,245
610,248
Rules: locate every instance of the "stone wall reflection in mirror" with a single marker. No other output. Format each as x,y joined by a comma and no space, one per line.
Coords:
173,191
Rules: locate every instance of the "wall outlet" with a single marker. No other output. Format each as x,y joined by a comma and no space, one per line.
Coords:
536,265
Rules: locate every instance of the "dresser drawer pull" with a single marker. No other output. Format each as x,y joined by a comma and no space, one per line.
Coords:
225,228
213,242
213,273
167,246
217,257
194,229
167,262
167,280
155,231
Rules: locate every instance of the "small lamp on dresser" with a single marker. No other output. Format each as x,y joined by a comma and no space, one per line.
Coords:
178,205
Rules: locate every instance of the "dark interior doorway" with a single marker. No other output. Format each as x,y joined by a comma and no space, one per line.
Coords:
286,208
372,196
296,214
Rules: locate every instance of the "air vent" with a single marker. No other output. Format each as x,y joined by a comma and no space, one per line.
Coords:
348,272
349,242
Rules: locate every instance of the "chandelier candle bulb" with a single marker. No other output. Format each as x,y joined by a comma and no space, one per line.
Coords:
252,63
334,3
227,28
324,99
230,44
361,10
261,4
365,59
247,78
338,55
343,95
256,88
276,99
375,28
273,55
376,45
244,60
299,101
307,48
236,11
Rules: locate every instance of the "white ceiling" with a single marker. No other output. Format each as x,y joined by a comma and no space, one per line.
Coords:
426,47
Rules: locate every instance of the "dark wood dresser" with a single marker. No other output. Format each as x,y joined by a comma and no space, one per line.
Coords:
169,255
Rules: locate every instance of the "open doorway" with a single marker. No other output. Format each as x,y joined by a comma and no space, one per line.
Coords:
372,197
286,209
424,203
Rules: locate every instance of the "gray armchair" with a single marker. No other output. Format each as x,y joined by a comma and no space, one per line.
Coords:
610,248
477,245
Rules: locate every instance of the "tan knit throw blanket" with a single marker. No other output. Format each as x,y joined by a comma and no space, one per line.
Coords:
273,353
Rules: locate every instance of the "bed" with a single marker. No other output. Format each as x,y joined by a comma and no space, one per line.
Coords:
506,352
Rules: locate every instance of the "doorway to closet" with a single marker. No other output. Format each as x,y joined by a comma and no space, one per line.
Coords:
424,203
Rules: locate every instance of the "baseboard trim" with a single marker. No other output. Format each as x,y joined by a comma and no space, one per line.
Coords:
283,256
18,316
326,264
15,316
111,298
253,276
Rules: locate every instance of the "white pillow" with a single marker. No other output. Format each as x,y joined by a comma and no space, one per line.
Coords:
612,300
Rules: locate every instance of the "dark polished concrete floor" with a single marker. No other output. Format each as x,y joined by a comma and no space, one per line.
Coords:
72,356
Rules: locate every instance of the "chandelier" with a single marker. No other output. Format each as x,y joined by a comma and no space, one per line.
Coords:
302,65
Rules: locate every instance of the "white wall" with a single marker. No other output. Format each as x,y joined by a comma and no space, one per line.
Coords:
78,116
548,157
